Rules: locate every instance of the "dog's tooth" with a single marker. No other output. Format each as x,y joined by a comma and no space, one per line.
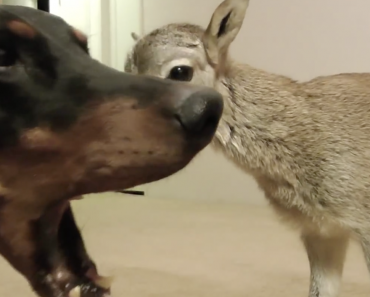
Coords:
76,292
105,282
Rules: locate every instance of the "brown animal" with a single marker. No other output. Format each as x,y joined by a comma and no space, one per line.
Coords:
306,144
71,126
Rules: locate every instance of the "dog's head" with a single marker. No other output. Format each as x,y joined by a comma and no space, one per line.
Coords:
72,125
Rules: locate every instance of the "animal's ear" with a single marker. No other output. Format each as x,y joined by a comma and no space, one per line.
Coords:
225,24
135,36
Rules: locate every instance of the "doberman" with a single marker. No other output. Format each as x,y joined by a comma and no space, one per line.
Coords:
70,126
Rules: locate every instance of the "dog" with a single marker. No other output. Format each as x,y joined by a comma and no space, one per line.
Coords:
70,126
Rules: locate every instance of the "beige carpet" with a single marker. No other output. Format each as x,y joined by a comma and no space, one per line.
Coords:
159,248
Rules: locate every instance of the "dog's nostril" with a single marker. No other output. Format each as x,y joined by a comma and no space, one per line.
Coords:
210,123
200,113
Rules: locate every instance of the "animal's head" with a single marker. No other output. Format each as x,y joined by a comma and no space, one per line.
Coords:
59,108
186,52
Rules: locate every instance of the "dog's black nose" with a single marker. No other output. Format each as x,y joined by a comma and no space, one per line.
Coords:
200,113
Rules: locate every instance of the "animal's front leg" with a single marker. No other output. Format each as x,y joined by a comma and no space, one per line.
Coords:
68,267
73,248
364,238
326,256
30,248
37,246
17,237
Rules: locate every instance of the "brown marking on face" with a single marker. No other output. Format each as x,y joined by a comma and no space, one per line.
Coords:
118,163
94,154
79,35
22,29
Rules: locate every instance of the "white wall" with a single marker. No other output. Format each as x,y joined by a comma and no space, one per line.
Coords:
85,15
108,24
126,17
29,3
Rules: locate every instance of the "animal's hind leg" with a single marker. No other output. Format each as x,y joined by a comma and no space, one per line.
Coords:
326,255
365,243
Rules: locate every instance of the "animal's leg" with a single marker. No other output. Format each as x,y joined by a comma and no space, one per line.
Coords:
48,249
326,255
66,259
73,247
365,243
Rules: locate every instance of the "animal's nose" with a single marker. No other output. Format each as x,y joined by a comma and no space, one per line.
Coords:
200,113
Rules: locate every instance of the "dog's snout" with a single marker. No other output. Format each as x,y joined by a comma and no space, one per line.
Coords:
200,113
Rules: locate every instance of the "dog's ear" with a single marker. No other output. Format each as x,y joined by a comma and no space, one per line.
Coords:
225,24
135,36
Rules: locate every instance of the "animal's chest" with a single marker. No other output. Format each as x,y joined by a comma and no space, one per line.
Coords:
283,194
295,210
294,205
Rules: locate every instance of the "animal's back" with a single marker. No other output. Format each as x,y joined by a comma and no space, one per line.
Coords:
340,104
340,108
313,135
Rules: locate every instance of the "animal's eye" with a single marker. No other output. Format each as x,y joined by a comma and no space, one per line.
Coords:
7,58
182,73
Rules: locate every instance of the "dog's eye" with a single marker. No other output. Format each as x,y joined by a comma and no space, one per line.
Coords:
7,58
182,73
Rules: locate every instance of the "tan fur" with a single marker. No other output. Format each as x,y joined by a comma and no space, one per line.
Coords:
307,144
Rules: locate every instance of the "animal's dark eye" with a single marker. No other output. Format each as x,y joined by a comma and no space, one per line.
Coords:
182,73
7,58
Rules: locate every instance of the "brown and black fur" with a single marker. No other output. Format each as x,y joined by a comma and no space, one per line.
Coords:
70,126
306,144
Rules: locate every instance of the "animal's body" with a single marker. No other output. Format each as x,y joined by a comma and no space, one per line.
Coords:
306,144
71,126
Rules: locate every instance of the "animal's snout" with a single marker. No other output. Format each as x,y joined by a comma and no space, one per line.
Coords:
200,113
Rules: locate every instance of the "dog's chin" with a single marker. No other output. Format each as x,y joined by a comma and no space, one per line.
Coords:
107,179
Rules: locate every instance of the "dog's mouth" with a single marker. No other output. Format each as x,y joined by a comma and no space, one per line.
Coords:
101,179
64,267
